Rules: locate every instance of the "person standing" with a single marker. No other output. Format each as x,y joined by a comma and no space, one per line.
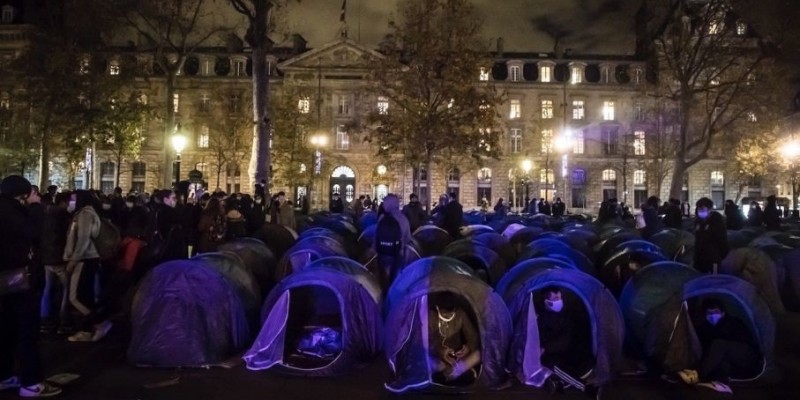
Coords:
337,206
286,214
672,215
19,309
392,234
734,220
358,207
54,238
500,208
453,217
559,208
414,213
711,237
772,217
755,217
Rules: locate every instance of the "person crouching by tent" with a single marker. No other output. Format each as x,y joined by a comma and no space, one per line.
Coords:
561,351
392,233
729,350
454,341
711,239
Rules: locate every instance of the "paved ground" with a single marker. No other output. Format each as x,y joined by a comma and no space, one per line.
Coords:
105,375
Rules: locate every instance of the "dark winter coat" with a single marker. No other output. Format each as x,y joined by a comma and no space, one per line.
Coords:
54,235
711,241
17,234
453,218
415,214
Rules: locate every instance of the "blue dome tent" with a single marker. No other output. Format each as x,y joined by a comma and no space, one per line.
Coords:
307,250
431,239
406,326
256,257
173,324
485,262
585,296
232,268
626,262
321,321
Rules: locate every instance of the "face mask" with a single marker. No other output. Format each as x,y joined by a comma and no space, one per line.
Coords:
713,319
129,204
106,206
554,306
702,214
258,201
71,206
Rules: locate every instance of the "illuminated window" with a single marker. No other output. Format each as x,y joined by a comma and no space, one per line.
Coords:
484,75
741,28
113,67
639,147
637,76
639,177
239,68
5,101
485,175
546,73
515,72
609,175
576,74
342,138
717,178
202,139
383,105
547,176
751,117
176,102
515,110
516,140
547,141
578,111
578,142
304,105
83,68
343,106
547,109
608,110
143,99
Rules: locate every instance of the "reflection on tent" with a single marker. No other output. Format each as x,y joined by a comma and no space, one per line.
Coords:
174,324
431,239
584,296
321,321
239,277
406,327
485,263
307,250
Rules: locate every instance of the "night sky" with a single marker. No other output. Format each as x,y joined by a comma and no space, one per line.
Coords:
600,26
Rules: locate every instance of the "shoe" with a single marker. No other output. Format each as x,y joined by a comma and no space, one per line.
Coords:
101,330
688,376
43,389
717,386
81,336
10,383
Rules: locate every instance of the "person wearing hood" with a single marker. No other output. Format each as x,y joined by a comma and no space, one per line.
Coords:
392,234
734,219
711,237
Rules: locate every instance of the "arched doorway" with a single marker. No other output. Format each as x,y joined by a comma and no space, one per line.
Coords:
343,182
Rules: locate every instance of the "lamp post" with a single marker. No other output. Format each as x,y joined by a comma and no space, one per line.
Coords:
381,172
178,144
318,140
527,166
791,151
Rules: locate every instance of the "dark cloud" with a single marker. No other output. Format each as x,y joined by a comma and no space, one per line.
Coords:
595,26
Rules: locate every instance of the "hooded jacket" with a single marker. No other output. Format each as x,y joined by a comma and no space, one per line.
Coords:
85,226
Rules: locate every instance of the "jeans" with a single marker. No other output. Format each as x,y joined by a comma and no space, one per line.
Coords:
53,273
19,333
82,289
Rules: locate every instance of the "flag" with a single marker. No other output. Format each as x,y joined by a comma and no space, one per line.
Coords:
344,11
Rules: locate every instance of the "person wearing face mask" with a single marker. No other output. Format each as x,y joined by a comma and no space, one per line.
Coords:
729,350
711,238
561,349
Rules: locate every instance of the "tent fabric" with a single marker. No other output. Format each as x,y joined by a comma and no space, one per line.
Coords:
557,249
645,301
484,261
368,219
406,344
277,237
358,295
512,229
616,270
232,268
256,257
499,244
472,230
509,285
523,236
790,284
642,245
432,239
307,250
605,317
174,324
755,266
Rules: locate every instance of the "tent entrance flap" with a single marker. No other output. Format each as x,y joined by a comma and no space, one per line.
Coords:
533,371
313,336
410,362
268,349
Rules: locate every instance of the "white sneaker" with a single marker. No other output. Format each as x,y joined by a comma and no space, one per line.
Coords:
10,383
101,330
81,336
43,389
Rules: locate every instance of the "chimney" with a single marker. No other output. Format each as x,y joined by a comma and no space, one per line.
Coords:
298,43
500,43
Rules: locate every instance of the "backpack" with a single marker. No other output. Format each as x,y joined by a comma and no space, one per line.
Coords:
107,240
388,236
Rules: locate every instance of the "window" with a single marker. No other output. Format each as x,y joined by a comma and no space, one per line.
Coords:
304,105
207,67
484,75
578,177
741,28
5,101
234,103
484,186
578,111
751,117
202,167
547,141
454,181
578,188
638,112
143,99
639,148
8,14
239,68
608,110
547,176
637,76
233,175
717,178
547,109
546,73
107,176
576,75
383,105
609,137
578,139
515,72
485,175
342,138
138,176
176,102
205,103
343,106
516,140
113,67
609,175
202,139
85,63
515,109
716,25
639,177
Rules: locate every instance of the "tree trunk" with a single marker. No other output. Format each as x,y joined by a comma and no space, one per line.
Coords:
429,178
676,187
44,155
169,128
219,172
260,159
119,170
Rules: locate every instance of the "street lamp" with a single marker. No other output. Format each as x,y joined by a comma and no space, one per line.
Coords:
318,140
179,144
527,166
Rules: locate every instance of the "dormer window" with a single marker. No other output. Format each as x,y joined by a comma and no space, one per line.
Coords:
515,73
741,28
605,73
637,76
113,67
546,72
83,68
8,14
239,68
206,66
576,73
484,75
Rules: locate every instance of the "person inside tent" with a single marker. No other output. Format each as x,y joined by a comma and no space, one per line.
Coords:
392,233
561,348
729,350
454,341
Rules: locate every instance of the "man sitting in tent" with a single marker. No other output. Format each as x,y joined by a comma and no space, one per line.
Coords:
728,349
454,341
561,347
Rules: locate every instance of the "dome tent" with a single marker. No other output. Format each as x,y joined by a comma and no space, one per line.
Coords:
256,257
277,237
754,266
175,325
582,293
231,266
336,294
557,249
431,239
499,244
406,326
307,250
624,263
485,262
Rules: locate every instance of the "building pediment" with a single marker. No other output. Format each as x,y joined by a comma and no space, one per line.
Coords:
340,54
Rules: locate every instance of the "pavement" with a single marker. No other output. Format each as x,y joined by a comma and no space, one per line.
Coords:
104,375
